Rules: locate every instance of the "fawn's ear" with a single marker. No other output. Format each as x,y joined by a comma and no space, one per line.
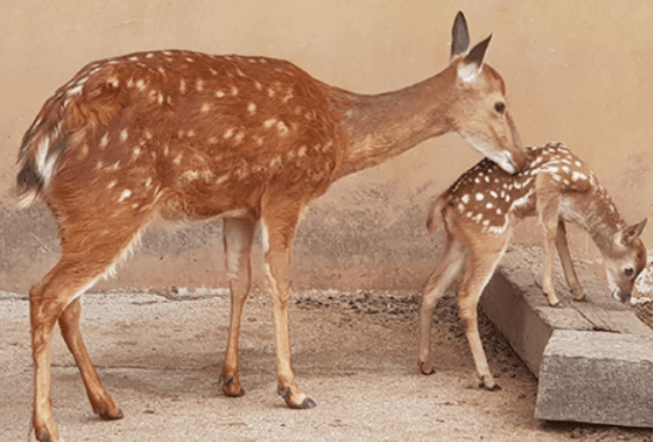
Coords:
459,35
628,235
472,66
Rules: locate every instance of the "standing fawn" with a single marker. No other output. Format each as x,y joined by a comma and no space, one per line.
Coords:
181,136
479,211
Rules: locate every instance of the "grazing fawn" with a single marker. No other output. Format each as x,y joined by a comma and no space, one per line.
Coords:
181,136
480,210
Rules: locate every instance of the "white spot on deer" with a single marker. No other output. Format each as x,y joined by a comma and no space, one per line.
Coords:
269,123
199,85
469,214
499,212
190,133
507,198
213,140
486,222
190,175
136,153
479,196
133,58
228,133
148,183
124,195
302,151
494,194
578,163
288,96
182,86
104,142
221,179
557,178
219,94
234,90
282,128
124,134
239,137
575,176
461,207
489,206
276,161
477,180
148,134
190,60
205,108
166,150
258,85
140,85
271,92
251,108
465,198
177,159
115,166
112,184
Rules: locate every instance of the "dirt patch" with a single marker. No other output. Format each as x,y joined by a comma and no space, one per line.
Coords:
159,355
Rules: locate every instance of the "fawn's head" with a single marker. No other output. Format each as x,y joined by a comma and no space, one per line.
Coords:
626,262
479,109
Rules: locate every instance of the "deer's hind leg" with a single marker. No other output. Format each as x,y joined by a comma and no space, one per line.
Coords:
446,271
480,265
238,236
89,248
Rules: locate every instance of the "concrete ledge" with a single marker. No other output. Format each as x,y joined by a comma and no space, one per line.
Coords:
583,353
603,377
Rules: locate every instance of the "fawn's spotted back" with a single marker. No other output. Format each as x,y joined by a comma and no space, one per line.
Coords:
489,196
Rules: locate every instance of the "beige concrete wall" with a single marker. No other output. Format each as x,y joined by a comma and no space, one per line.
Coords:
577,72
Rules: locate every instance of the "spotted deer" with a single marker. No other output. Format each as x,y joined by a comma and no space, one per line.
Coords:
181,135
479,212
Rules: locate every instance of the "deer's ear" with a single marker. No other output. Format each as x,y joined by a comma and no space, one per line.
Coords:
459,35
472,66
627,236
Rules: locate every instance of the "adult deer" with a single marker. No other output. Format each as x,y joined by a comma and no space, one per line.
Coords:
481,208
183,136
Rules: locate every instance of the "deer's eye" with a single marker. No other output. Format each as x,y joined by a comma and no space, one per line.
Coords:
628,271
500,107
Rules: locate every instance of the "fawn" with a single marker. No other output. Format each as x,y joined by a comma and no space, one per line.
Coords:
479,211
182,135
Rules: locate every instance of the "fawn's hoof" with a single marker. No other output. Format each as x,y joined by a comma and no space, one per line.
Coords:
107,415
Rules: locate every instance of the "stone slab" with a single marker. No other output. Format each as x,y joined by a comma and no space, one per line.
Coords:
599,377
514,302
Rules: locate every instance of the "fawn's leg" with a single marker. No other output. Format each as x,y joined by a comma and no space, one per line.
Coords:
238,236
279,221
547,208
446,271
479,270
567,263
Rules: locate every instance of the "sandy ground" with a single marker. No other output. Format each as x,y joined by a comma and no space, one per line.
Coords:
160,354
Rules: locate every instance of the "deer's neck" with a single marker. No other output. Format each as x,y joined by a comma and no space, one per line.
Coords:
375,128
601,220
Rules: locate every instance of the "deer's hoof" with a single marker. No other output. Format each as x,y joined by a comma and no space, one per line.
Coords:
106,415
302,403
231,387
426,368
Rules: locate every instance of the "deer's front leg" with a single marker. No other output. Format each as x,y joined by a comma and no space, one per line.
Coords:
567,263
278,225
238,236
